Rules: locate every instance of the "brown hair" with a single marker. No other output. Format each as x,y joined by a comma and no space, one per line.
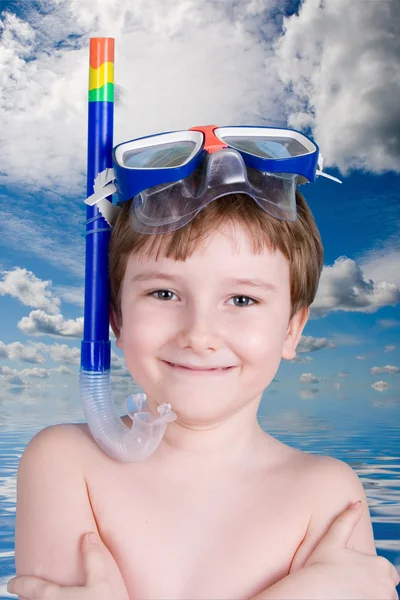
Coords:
299,241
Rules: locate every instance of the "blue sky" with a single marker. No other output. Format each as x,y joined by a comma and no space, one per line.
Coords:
180,63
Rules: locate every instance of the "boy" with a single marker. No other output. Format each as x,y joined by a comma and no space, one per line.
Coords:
204,315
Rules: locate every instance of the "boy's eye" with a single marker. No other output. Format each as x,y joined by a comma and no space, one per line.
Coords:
162,294
243,300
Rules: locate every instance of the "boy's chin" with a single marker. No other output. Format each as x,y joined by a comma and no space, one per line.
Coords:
199,409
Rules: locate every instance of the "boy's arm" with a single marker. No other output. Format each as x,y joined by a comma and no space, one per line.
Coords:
54,511
338,485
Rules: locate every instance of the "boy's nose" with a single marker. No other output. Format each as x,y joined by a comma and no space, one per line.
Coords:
200,332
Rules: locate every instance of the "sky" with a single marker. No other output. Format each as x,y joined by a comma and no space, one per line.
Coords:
330,69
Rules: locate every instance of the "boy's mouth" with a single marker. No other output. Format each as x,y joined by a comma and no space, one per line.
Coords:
198,369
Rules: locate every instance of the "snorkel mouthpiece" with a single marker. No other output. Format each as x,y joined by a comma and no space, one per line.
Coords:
122,443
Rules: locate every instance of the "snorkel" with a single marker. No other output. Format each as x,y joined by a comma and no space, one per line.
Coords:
120,442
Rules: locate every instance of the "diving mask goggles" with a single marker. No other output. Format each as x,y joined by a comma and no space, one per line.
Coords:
171,176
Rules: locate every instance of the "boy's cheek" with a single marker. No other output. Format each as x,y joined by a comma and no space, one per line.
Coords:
252,340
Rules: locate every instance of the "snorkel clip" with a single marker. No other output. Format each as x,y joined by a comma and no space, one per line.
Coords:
104,186
319,170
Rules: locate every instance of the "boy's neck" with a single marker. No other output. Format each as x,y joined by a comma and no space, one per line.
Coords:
231,443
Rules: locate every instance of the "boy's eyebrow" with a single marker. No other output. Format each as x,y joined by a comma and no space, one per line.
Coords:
256,283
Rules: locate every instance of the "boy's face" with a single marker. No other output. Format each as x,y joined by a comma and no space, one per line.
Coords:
200,318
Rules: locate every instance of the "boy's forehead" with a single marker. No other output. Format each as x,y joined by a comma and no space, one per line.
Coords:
222,252
235,242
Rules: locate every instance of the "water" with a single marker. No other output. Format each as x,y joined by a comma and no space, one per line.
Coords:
363,432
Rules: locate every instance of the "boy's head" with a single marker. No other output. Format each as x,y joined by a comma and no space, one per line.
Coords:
200,318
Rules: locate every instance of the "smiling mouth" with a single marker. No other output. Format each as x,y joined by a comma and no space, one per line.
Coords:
190,369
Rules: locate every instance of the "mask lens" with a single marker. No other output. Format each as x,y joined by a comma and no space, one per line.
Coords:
266,146
172,154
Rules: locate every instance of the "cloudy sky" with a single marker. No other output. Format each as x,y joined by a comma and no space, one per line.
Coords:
329,68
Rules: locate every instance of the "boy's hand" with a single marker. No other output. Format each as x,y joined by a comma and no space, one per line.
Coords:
97,586
361,575
334,571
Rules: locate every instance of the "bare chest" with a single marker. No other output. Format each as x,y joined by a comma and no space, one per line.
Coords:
203,538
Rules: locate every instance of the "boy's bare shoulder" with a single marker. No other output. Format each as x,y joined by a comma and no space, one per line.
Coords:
71,435
334,485
333,482
78,431
72,440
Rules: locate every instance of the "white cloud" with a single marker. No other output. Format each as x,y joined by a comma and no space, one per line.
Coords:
390,348
308,378
168,47
63,370
165,47
343,287
71,294
6,370
32,352
382,265
24,377
381,386
24,353
309,343
29,290
35,372
15,377
301,359
343,374
340,60
60,353
40,323
388,369
360,357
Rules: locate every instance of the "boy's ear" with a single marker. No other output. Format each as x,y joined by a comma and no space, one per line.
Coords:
116,328
296,326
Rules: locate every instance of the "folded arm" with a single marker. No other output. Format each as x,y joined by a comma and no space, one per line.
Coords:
338,487
54,511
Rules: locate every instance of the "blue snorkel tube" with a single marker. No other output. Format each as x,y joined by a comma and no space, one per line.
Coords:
122,443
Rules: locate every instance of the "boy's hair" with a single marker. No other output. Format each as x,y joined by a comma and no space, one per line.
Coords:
299,241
